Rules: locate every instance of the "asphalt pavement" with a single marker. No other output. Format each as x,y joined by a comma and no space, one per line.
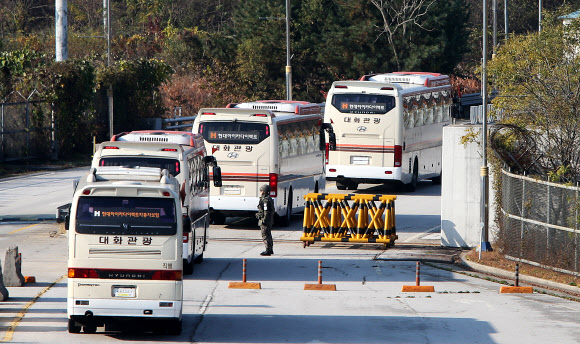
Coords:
44,255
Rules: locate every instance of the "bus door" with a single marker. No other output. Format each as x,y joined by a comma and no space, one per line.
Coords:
243,151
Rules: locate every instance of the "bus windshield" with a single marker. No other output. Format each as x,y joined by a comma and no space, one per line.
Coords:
171,165
363,103
234,132
126,216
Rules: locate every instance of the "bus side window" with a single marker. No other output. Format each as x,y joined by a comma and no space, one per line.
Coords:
419,111
302,133
408,111
283,141
311,137
438,109
316,136
293,133
428,109
446,106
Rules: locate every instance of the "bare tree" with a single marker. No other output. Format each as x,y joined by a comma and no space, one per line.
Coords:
398,15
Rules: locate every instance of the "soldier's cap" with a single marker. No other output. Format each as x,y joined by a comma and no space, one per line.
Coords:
265,188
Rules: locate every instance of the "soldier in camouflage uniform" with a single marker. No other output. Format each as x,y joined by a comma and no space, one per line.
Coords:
265,217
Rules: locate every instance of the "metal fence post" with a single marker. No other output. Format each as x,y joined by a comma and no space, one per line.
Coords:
576,234
53,144
2,132
27,128
523,216
548,231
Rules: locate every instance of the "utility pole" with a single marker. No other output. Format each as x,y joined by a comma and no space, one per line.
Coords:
484,243
61,30
288,57
288,66
505,18
107,26
494,51
540,16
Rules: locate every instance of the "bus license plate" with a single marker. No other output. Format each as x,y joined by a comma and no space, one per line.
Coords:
232,190
123,292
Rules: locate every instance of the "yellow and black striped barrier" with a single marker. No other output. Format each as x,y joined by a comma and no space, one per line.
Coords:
349,218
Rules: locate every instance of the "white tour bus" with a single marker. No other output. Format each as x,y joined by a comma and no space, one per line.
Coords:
125,251
279,143
389,128
183,154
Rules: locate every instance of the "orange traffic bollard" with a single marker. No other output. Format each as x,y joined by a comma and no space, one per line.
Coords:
516,289
320,286
244,284
418,287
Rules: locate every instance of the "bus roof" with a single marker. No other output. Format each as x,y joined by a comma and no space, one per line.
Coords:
261,111
160,136
288,106
410,78
141,149
115,176
380,87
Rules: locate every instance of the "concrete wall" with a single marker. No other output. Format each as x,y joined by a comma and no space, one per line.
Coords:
461,189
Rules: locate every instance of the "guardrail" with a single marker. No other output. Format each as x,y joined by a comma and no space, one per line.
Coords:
349,218
178,120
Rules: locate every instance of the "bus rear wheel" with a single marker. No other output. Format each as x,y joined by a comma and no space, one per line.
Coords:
188,267
218,219
175,328
73,327
89,329
287,218
412,186
437,180
344,185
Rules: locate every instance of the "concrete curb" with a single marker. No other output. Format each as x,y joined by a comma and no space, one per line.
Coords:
523,278
436,254
25,218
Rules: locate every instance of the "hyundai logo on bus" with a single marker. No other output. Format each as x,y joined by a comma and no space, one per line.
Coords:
361,129
233,155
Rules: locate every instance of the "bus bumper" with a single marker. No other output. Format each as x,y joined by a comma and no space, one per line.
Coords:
366,174
240,204
97,310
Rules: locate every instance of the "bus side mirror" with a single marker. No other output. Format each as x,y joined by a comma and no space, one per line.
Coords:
66,222
322,145
331,141
217,176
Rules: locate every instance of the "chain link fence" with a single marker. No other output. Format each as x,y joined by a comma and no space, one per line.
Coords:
26,128
540,222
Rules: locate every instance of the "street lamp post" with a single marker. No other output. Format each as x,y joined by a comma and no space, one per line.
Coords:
484,243
107,19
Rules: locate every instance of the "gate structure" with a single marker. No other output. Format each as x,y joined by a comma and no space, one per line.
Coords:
349,218
26,127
